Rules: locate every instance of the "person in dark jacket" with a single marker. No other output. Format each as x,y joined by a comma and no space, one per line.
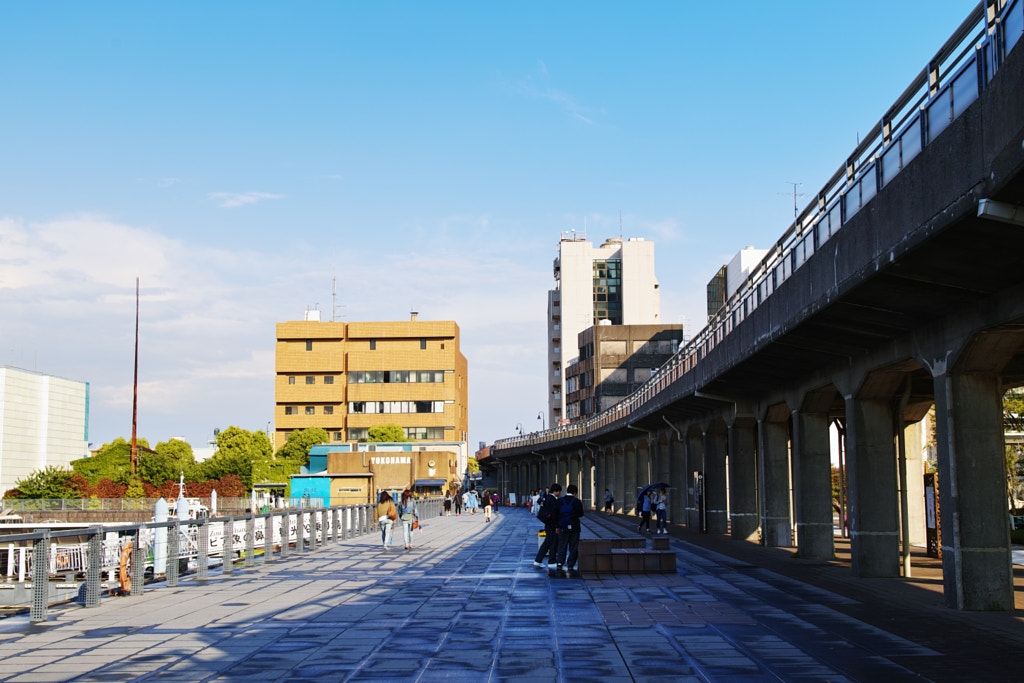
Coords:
571,509
549,507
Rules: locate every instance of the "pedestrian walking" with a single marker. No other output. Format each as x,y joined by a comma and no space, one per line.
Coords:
386,516
495,499
408,514
486,498
570,511
608,500
645,512
660,502
448,504
472,502
548,514
457,501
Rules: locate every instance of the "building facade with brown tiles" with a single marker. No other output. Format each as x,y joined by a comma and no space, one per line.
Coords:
348,377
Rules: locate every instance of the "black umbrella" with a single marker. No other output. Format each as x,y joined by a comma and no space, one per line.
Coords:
643,492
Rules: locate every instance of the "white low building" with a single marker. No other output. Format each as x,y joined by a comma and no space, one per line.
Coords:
44,421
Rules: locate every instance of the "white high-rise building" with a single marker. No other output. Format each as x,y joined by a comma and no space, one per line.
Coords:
614,282
44,421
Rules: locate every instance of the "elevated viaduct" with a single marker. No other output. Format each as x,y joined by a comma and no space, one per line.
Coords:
899,289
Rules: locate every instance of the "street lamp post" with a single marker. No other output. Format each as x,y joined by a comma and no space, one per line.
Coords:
543,422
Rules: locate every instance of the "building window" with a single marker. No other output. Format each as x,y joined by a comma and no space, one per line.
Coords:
373,344
309,344
328,410
310,379
358,434
328,379
423,343
396,377
310,410
290,410
291,380
337,436
395,407
424,433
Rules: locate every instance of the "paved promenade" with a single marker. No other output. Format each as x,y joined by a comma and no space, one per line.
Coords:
467,605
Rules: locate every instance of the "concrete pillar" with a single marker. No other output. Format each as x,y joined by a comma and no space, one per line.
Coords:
976,564
775,496
629,489
616,479
812,484
716,482
662,462
743,479
872,483
677,482
694,467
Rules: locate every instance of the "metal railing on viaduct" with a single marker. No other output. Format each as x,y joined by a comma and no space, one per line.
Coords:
900,288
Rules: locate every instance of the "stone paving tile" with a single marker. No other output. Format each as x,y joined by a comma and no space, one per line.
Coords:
466,605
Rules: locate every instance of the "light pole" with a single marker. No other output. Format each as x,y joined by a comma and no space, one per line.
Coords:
519,428
543,422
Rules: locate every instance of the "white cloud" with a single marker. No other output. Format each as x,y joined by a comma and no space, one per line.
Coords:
230,200
167,182
206,350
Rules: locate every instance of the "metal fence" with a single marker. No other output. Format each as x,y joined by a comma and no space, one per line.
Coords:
129,554
16,505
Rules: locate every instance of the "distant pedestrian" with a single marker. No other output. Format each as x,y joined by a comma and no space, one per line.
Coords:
495,498
457,501
660,502
448,504
645,512
386,516
407,513
472,502
608,500
548,515
486,500
570,511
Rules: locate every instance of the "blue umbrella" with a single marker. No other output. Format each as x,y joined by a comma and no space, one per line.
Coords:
643,492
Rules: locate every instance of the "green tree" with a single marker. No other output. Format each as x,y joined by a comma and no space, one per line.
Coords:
299,442
172,458
472,465
49,482
386,433
237,450
112,461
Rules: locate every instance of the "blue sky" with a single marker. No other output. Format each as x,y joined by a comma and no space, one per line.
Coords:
237,156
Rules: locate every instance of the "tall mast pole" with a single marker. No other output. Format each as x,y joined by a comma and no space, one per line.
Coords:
135,385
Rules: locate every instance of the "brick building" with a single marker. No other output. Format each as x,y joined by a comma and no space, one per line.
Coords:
348,377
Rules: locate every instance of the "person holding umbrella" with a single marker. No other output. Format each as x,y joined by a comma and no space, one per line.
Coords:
645,512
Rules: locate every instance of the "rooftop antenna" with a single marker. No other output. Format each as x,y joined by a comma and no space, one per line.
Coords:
620,224
794,194
334,299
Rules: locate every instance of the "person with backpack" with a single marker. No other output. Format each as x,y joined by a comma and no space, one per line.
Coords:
548,514
570,511
486,498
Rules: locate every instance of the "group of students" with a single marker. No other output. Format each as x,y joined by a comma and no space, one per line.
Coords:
561,517
388,513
